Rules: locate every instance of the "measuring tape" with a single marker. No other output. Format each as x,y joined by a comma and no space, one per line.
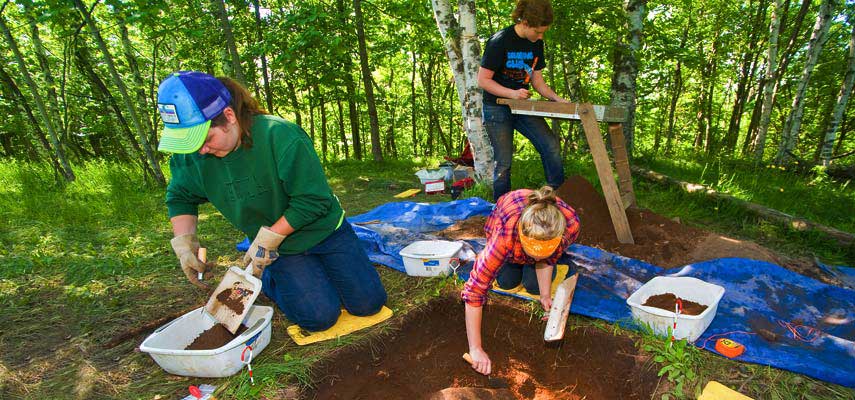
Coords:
729,348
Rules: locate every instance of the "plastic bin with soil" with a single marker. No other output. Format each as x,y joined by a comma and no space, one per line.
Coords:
215,337
668,302
423,358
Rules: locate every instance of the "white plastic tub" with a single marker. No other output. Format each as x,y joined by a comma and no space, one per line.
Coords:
429,257
689,327
166,344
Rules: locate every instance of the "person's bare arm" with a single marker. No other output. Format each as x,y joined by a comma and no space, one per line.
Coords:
541,87
486,82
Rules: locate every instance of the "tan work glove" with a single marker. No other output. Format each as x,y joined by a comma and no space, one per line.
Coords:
186,247
264,250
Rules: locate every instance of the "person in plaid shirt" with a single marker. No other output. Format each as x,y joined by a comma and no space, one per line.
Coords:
527,233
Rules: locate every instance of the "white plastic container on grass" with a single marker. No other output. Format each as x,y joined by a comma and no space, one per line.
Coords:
689,327
429,257
166,345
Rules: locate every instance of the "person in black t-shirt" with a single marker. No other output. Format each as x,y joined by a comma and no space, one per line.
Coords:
512,63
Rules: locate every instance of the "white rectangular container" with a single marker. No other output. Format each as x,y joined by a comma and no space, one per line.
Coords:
429,257
166,344
689,327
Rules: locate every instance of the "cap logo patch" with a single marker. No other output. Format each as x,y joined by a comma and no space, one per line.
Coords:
168,113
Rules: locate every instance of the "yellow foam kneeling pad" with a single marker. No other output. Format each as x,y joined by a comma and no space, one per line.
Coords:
560,272
346,324
408,193
716,391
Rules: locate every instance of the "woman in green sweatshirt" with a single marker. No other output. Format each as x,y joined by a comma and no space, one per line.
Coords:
262,173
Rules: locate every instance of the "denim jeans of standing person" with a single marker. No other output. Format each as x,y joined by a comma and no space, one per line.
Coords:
500,125
311,287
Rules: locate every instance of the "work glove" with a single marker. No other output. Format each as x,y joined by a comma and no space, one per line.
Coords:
186,248
264,250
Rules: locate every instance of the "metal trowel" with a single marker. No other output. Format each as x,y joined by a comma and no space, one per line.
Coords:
234,296
560,309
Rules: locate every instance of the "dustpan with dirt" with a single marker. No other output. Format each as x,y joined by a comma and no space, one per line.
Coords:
232,299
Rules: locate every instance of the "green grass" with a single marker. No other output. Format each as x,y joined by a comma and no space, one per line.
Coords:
814,196
84,262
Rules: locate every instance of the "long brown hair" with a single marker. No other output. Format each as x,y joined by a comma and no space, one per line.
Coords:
535,13
245,106
541,219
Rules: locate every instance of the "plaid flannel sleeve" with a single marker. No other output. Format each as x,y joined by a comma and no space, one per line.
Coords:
486,267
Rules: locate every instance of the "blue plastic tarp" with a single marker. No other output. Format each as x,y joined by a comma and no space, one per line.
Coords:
760,298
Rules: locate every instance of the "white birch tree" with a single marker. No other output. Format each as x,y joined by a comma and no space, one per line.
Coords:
790,135
623,88
768,89
840,106
459,37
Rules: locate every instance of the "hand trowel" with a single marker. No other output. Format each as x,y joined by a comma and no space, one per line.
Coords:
234,296
560,309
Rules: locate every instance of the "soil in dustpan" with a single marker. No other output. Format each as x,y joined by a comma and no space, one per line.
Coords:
215,337
424,358
667,301
233,298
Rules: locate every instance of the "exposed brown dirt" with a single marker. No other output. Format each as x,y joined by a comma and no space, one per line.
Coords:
423,360
214,338
667,301
658,240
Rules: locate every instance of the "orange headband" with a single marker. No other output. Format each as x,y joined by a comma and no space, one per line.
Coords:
539,249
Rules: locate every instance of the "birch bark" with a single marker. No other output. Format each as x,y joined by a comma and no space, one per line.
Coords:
840,106
459,37
820,33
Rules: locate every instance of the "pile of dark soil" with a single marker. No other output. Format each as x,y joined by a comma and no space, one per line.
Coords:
658,240
214,338
667,301
424,358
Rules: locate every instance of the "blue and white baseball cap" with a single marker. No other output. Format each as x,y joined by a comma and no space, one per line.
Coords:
187,102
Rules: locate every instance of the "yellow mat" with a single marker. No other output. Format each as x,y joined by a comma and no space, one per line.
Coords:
407,193
717,391
346,324
560,272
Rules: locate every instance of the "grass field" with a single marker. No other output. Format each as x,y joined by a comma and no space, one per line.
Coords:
85,262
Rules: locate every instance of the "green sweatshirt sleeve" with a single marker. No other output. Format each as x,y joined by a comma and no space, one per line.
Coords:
304,181
180,197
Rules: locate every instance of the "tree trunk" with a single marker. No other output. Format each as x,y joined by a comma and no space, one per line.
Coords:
791,129
323,124
746,73
413,112
376,149
138,80
623,87
461,45
350,86
840,106
37,129
220,10
295,103
58,150
85,66
268,95
343,137
771,62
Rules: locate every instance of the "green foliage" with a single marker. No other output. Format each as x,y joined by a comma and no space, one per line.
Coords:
679,360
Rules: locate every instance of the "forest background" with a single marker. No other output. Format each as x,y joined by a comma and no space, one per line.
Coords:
748,97
760,80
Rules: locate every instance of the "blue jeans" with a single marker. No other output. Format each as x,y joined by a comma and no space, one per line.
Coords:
500,125
511,275
311,287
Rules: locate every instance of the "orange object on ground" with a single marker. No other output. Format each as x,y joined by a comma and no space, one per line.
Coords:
729,348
